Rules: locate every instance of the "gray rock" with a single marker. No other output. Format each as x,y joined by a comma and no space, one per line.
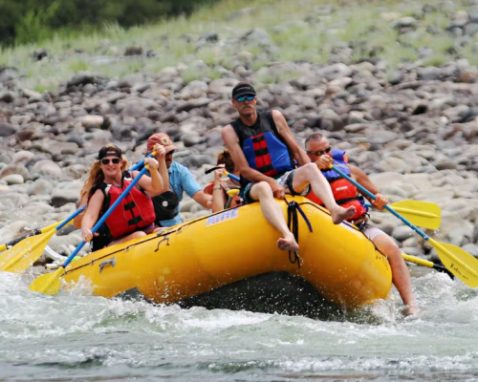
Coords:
382,137
472,249
330,119
47,168
395,165
6,129
471,29
405,22
7,97
193,104
402,233
186,205
60,197
192,140
65,245
446,164
14,179
412,251
13,200
40,187
356,128
14,169
22,157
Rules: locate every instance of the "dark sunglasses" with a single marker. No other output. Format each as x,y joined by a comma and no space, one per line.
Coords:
106,161
243,98
319,152
170,153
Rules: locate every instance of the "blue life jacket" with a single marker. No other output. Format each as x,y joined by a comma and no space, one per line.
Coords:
264,148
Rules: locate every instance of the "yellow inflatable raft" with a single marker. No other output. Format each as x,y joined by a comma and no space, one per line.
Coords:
198,256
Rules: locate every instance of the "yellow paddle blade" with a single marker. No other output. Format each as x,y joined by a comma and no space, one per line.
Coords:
233,192
54,225
24,254
422,214
13,242
47,284
458,261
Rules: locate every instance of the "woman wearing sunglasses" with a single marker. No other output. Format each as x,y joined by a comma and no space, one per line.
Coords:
134,217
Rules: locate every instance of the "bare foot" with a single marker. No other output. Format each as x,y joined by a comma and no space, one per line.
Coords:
341,214
410,310
288,244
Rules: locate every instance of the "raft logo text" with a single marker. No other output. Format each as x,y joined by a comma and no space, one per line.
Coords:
222,217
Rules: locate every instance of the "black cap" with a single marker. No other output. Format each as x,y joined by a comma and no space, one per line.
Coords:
110,150
243,90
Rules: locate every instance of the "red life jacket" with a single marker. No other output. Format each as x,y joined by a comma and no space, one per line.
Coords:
345,193
135,211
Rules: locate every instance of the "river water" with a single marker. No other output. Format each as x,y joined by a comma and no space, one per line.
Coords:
83,338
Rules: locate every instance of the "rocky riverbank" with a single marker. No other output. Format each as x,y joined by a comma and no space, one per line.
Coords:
416,137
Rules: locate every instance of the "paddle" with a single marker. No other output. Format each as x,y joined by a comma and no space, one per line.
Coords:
50,282
29,250
35,232
423,214
426,263
456,260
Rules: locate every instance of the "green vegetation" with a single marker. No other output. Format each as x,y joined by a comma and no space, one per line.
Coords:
316,31
28,21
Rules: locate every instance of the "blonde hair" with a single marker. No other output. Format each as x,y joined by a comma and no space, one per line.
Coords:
96,176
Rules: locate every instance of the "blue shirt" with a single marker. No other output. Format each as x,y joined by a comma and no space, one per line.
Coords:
180,180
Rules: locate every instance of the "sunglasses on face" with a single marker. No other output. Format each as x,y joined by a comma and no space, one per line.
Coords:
170,153
106,161
243,98
319,152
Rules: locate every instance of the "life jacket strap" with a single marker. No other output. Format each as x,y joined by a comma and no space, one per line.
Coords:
135,220
129,206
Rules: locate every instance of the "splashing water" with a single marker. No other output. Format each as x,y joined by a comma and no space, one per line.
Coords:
78,337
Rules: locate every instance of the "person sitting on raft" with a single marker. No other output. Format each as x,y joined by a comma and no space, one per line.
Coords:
218,188
134,217
346,194
166,202
263,149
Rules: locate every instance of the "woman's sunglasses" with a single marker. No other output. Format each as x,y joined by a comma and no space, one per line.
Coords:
106,161
243,98
319,152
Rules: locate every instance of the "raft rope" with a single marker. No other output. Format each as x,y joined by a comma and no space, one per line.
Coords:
293,224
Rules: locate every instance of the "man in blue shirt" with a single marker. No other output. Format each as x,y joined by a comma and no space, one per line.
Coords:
166,205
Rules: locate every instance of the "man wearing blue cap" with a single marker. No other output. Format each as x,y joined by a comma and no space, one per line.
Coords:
264,151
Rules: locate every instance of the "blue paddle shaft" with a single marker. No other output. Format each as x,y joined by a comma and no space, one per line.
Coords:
141,163
72,216
234,177
372,196
100,222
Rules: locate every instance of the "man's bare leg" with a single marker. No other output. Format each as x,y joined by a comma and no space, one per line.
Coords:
273,213
400,274
310,174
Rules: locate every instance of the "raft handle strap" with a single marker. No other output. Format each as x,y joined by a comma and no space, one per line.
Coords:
293,224
166,239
